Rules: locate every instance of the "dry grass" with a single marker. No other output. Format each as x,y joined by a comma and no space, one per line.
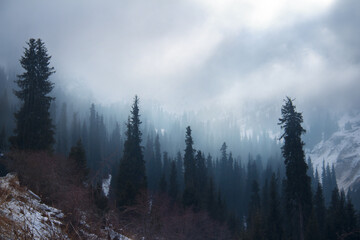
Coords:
21,213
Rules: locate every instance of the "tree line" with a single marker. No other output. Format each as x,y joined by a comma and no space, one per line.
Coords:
286,199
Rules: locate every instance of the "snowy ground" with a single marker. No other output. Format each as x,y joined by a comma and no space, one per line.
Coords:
23,216
342,150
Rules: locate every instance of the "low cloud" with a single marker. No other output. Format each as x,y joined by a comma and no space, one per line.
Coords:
194,54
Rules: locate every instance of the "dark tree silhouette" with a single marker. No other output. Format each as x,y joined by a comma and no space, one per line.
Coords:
173,183
77,153
297,184
189,196
34,129
131,178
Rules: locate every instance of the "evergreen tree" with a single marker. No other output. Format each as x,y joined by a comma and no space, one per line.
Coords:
75,129
115,143
201,179
180,171
62,131
173,182
319,211
312,229
255,225
333,222
34,129
189,196
220,208
150,164
351,225
274,229
333,177
157,161
94,145
297,184
254,204
311,174
131,178
166,165
316,179
84,138
209,165
77,153
210,203
2,139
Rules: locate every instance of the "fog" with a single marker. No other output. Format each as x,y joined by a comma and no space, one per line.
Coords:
208,59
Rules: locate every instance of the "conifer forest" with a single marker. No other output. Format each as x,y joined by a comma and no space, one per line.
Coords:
180,120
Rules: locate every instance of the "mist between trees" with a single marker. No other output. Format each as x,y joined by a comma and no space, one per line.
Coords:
247,182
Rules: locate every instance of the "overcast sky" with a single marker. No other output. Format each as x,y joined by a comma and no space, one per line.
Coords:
195,53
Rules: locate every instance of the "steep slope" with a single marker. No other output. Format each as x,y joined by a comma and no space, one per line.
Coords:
23,216
343,150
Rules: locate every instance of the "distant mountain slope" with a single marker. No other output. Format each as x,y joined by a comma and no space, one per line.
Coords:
343,150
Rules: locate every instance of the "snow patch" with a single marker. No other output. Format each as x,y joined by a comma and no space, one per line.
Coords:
23,216
342,150
106,185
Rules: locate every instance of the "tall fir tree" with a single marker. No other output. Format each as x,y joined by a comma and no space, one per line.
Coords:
131,179
297,183
34,129
189,195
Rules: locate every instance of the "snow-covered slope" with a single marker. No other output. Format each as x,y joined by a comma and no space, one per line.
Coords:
23,216
343,150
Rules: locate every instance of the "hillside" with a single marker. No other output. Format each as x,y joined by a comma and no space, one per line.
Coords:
24,216
343,150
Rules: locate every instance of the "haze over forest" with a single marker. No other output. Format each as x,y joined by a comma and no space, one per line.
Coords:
229,59
227,69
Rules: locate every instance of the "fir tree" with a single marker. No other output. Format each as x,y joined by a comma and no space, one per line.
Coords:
75,129
351,225
254,204
2,139
319,210
131,178
274,229
34,129
333,222
173,183
157,162
297,184
180,171
210,202
189,196
201,179
150,164
77,153
62,136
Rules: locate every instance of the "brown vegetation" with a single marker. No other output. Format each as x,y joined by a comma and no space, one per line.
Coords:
56,181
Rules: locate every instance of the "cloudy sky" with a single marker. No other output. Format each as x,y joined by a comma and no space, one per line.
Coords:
194,53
